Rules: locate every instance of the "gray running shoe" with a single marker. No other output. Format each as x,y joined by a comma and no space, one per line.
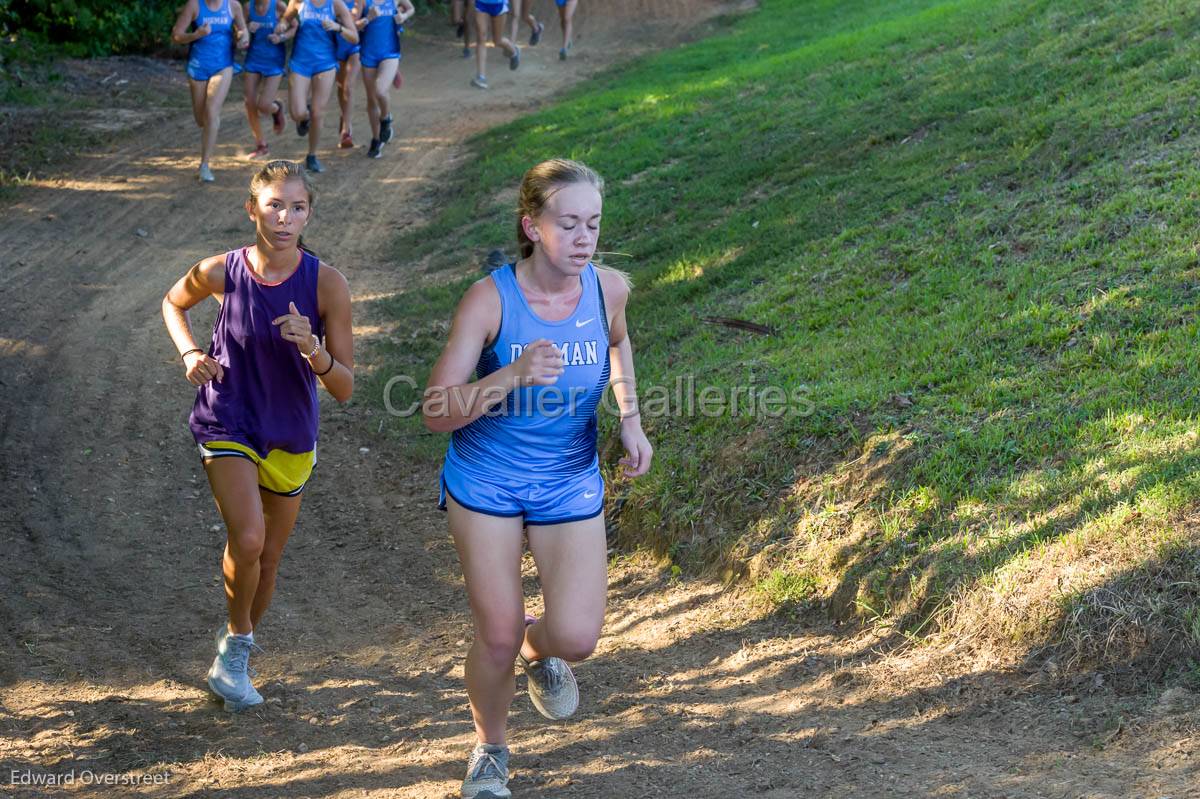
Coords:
229,677
552,687
536,35
205,174
487,773
479,82
514,60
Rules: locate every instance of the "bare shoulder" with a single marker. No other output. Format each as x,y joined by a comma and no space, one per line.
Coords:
330,278
189,9
479,311
481,298
333,290
211,273
616,286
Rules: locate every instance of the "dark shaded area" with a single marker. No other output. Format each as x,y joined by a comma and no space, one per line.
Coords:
103,27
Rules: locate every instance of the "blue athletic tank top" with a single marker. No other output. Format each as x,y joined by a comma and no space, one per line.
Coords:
262,50
548,431
381,37
214,52
314,43
268,398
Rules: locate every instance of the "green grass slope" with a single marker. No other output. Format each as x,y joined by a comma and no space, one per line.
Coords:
971,226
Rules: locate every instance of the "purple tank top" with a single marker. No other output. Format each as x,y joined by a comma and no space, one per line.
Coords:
268,399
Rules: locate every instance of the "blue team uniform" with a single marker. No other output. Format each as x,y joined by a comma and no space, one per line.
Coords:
314,50
534,455
213,53
264,57
344,48
492,9
381,37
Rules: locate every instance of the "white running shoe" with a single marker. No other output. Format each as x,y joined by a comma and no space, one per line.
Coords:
552,686
229,676
487,773
205,174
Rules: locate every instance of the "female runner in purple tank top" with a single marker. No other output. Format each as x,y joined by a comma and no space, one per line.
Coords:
283,327
545,337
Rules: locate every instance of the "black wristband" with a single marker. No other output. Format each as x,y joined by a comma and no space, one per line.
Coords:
332,361
189,352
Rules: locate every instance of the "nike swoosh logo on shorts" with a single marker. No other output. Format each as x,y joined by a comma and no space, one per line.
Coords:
585,322
589,494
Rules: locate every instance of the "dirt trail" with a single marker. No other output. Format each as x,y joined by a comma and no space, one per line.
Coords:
110,584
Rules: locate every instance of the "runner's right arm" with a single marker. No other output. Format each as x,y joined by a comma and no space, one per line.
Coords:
187,14
451,400
292,12
290,26
205,279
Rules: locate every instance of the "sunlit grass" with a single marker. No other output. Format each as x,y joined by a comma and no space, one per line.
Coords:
971,227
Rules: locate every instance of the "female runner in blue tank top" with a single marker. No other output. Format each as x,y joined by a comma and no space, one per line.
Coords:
263,68
545,337
380,56
522,10
566,20
313,64
348,67
489,16
210,66
284,326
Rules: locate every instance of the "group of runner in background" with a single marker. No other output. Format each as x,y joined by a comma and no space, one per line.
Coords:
333,42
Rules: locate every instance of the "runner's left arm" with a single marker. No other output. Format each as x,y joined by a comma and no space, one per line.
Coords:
345,18
638,452
239,24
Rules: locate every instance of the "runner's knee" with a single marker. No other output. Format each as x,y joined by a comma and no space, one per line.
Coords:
246,543
268,562
573,644
500,643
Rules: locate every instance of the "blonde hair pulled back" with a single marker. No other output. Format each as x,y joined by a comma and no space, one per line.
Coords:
539,185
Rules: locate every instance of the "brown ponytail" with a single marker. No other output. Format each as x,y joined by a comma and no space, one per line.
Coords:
278,171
